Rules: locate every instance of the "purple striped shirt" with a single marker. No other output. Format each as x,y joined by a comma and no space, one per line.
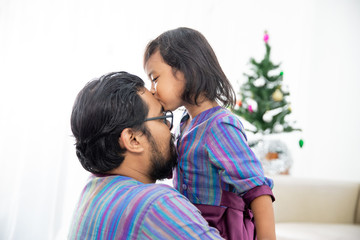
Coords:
214,156
117,207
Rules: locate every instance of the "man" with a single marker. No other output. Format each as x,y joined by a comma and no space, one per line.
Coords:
123,138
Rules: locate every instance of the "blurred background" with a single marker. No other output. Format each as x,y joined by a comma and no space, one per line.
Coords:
50,49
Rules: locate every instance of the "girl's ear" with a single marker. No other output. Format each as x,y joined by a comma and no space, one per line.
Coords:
130,140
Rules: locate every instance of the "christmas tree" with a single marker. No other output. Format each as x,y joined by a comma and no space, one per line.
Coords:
264,99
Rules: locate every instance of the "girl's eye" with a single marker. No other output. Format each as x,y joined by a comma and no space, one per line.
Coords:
154,79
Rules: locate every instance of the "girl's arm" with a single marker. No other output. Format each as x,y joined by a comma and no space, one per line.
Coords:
264,217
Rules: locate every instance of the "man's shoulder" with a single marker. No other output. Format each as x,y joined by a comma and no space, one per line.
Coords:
129,191
161,190
160,193
129,186
156,189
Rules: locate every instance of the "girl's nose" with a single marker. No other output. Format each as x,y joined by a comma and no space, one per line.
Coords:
153,88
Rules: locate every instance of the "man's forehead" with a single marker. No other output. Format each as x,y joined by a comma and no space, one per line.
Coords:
151,101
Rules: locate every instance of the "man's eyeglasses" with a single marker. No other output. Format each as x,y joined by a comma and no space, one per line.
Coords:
167,114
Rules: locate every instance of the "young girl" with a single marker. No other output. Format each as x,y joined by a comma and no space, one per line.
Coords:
216,171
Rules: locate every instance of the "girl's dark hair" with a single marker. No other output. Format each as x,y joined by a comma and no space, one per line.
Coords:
188,51
102,110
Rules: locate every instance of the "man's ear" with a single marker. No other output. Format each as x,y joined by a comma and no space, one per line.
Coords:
131,140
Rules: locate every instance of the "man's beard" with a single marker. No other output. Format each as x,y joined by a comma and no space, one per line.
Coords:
162,167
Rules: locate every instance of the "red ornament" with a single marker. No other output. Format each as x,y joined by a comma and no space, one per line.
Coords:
239,103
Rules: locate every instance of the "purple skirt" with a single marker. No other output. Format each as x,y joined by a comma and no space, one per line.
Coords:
233,218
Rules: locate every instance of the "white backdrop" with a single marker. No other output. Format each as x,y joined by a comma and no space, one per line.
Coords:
50,49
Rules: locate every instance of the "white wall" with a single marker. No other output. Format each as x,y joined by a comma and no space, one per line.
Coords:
50,49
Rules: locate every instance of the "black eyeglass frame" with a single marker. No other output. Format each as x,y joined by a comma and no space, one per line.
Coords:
165,116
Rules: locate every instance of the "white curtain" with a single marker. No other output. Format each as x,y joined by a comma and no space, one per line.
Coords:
50,49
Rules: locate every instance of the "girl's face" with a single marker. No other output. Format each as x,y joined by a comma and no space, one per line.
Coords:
166,87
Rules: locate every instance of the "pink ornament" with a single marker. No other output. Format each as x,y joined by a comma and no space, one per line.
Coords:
266,37
250,109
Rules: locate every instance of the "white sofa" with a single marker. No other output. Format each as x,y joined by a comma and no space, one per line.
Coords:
307,209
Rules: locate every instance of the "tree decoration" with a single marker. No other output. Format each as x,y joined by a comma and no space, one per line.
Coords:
264,89
301,143
266,37
238,104
277,95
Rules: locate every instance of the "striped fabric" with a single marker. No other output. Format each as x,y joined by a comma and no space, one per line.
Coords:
117,207
214,156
